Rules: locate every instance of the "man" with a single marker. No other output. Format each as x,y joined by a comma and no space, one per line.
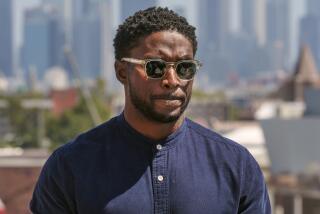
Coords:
151,159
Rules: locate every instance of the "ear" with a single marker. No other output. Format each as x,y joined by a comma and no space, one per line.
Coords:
121,72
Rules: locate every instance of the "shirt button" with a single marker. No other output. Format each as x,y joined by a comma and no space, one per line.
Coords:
160,178
159,147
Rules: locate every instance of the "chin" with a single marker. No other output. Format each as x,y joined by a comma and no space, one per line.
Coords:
163,117
166,119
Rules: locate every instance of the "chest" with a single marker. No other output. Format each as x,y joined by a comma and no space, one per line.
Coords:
169,182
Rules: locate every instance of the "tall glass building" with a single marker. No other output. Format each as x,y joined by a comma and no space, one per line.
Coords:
42,41
86,37
6,38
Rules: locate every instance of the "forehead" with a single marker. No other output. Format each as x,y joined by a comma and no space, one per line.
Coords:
164,44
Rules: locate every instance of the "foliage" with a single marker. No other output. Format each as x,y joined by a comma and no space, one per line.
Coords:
24,123
234,112
67,126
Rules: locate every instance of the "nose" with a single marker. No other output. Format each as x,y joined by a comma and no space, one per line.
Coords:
170,79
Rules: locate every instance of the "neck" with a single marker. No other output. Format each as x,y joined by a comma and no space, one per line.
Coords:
149,128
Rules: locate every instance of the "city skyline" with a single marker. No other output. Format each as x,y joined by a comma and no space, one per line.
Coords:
236,37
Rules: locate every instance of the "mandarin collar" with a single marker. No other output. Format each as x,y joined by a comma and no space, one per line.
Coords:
166,142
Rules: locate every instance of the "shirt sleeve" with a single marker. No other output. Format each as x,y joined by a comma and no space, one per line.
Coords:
52,193
254,194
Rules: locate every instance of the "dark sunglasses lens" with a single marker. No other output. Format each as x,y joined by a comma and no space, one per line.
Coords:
155,69
186,70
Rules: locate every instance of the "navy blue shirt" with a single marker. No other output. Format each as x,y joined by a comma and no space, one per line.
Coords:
114,169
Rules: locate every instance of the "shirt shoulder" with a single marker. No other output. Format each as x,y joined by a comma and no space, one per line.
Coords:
233,158
88,145
96,136
211,137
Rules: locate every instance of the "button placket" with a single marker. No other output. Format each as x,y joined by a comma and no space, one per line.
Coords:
160,182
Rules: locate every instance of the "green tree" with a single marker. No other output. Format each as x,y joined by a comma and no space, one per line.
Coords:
67,126
23,122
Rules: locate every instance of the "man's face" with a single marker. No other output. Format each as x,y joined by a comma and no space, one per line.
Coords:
160,100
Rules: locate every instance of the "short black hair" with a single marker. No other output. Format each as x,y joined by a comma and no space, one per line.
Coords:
145,22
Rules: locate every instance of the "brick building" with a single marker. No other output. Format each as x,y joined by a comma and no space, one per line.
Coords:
64,100
19,171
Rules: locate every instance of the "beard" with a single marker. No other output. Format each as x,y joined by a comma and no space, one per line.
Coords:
148,109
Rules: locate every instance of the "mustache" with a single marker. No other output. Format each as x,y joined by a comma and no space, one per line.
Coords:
169,97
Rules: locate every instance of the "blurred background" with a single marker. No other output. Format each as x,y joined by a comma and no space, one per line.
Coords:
259,85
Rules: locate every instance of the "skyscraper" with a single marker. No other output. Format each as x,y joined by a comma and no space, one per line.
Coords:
91,30
59,4
42,46
128,7
260,24
107,57
310,29
6,38
87,45
313,7
213,31
278,32
247,17
214,17
86,36
84,8
296,12
253,20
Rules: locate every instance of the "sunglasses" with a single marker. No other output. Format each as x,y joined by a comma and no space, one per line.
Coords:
156,68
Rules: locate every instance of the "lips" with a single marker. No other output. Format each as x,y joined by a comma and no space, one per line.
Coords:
168,101
168,97
167,104
173,102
